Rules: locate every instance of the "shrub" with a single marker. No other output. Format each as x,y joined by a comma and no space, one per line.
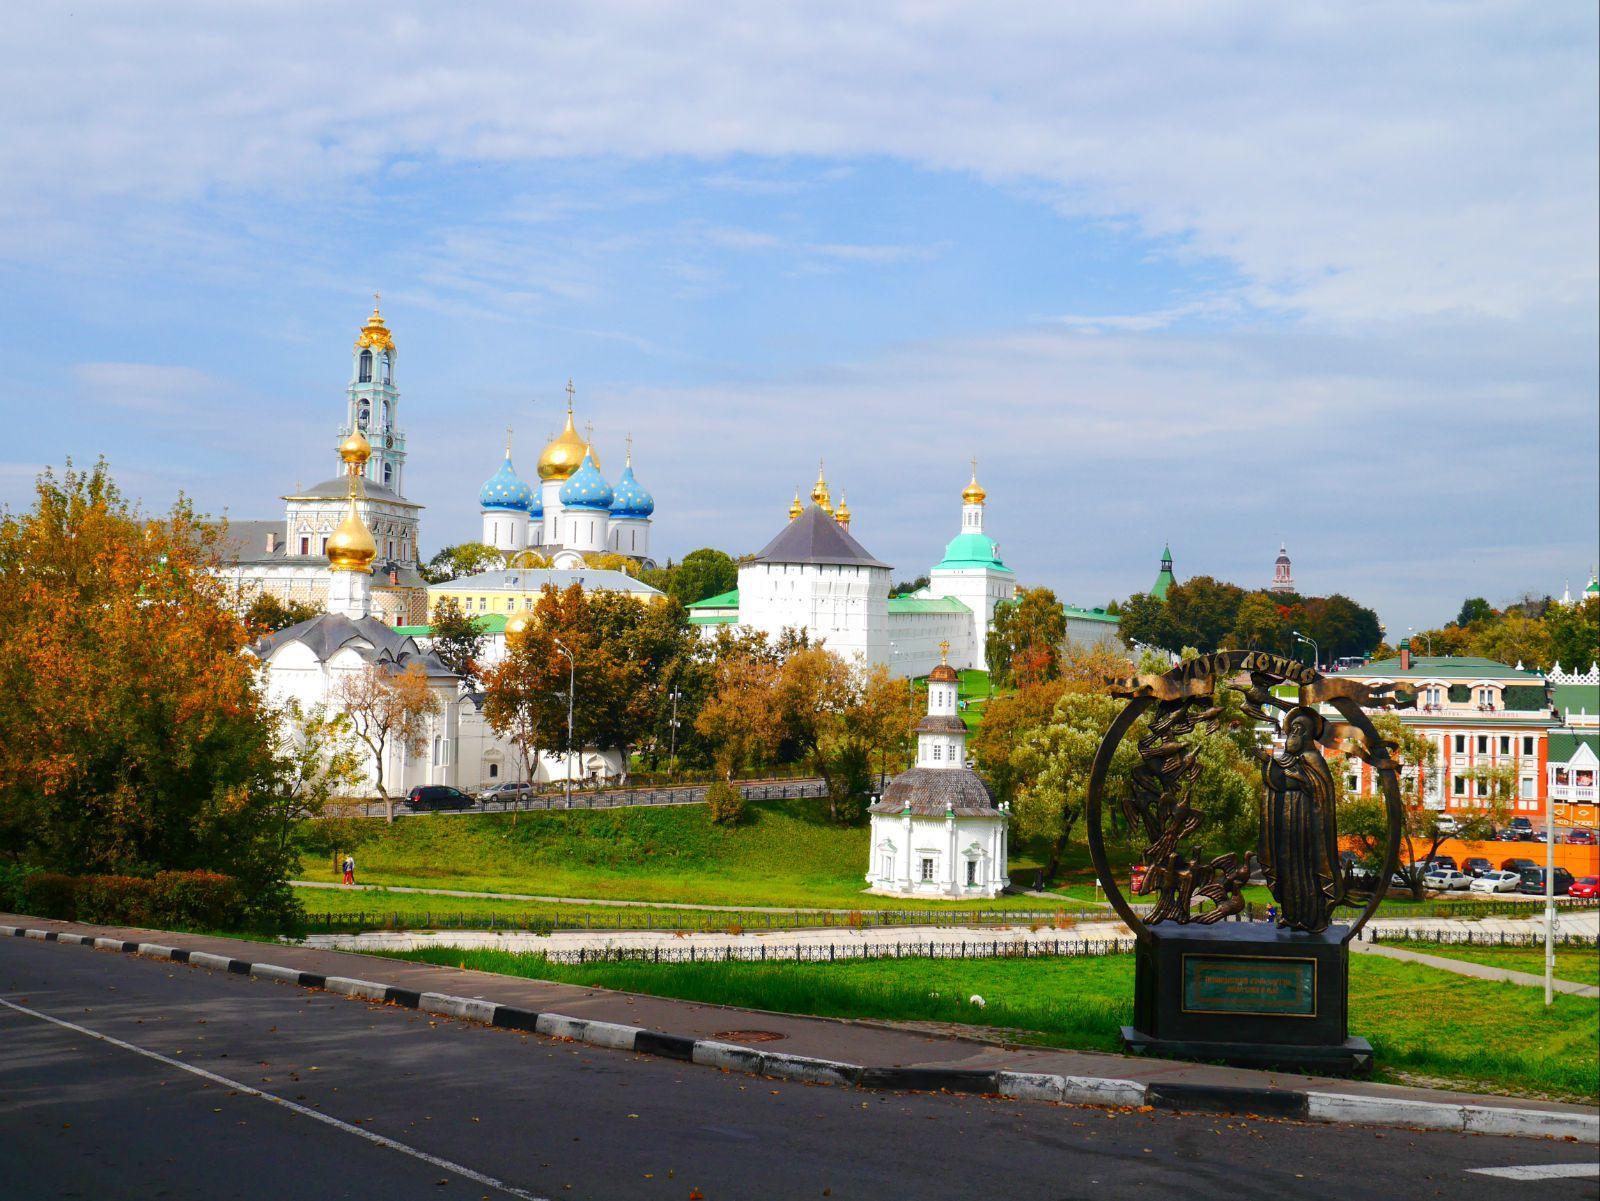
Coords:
14,885
726,803
203,900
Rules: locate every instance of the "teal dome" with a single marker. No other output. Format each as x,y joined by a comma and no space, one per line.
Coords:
629,499
505,490
972,550
586,488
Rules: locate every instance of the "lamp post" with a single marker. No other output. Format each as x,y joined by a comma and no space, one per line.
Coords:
1425,636
572,675
1316,651
672,757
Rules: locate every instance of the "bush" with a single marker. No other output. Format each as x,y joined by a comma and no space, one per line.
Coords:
726,803
13,885
197,900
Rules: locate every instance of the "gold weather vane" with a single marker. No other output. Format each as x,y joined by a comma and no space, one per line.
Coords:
944,651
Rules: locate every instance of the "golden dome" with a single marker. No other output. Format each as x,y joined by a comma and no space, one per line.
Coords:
518,624
819,493
796,508
843,513
355,449
351,547
375,332
565,453
974,494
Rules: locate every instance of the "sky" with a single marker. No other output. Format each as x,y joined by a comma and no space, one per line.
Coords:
1220,276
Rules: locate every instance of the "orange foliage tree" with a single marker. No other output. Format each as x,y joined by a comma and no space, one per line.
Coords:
136,738
388,709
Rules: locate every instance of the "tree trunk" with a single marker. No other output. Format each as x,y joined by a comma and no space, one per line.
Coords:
1058,850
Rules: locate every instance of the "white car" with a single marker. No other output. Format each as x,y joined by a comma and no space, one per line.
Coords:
1447,878
1497,882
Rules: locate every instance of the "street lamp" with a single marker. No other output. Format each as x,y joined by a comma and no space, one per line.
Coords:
672,757
1426,637
1316,651
572,675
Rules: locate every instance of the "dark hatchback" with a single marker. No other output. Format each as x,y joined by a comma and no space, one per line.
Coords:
1476,866
1533,882
438,796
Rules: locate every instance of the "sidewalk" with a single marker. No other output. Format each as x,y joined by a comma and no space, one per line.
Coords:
870,1043
1479,971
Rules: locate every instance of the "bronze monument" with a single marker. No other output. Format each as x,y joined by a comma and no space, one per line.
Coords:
1209,985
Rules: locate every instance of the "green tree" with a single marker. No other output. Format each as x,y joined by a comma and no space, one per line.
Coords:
1008,721
267,614
1515,638
1024,643
457,638
703,573
1475,609
1573,633
1202,611
1341,626
725,802
1364,818
318,768
462,559
1144,620
1257,625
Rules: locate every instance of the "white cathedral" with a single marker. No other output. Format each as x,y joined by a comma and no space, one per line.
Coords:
574,512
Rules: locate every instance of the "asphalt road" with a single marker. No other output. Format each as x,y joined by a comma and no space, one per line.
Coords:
305,1094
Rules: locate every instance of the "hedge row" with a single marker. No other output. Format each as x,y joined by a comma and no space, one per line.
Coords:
199,900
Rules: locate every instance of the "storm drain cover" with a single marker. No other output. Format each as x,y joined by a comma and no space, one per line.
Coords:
747,1036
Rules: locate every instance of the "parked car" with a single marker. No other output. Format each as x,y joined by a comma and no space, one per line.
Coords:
438,796
1493,881
1520,829
1446,823
1581,837
1447,862
1508,835
1533,882
1476,865
1447,879
505,792
1585,886
1516,865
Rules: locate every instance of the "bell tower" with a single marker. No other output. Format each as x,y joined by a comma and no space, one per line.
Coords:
374,403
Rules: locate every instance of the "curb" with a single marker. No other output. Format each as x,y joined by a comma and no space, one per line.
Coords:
1347,1108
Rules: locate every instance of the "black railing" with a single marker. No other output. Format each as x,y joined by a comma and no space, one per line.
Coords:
612,798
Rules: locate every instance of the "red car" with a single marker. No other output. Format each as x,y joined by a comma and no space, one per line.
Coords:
1585,886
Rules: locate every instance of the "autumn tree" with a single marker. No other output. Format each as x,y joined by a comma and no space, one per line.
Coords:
1024,641
136,736
1007,722
739,718
1257,625
522,700
1573,632
388,709
1514,638
456,637
1365,818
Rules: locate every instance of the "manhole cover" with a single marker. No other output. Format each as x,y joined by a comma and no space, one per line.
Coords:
747,1036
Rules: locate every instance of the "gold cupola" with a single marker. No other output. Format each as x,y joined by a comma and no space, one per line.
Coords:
564,454
796,507
842,516
518,624
819,493
351,547
974,494
375,332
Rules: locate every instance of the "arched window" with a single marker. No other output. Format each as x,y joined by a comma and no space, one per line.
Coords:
388,472
386,409
364,415
383,368
364,375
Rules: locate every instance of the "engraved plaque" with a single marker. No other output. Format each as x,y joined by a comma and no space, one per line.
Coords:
1241,984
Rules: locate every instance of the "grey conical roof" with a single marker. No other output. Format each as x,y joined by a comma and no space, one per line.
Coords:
815,537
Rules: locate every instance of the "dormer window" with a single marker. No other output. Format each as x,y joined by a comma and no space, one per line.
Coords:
364,372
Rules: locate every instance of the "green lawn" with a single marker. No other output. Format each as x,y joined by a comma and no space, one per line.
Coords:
381,909
1422,1023
1581,964
785,853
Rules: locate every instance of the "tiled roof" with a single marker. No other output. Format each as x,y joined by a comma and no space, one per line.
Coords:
328,633
931,791
1563,745
338,488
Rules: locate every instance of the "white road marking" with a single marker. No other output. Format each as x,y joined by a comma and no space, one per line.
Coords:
303,1110
1542,1171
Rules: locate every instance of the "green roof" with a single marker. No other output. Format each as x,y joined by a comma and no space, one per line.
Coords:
1446,667
926,604
1564,746
489,623
1164,578
1576,698
971,550
723,600
713,619
1076,614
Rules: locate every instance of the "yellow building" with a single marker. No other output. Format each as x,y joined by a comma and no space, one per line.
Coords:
517,590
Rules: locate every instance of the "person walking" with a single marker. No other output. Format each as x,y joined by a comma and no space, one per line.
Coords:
349,869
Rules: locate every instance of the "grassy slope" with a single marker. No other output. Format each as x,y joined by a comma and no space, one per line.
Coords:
1581,964
785,853
1497,1037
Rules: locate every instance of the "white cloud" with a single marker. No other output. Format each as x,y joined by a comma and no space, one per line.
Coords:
1359,162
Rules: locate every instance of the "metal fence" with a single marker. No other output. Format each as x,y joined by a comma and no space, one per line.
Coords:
612,798
1477,938
836,952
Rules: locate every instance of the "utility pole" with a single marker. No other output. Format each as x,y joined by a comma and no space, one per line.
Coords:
672,757
1549,901
572,675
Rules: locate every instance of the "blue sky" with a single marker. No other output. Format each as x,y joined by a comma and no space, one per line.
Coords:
1220,275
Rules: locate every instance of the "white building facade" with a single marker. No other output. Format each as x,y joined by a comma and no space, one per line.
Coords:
936,831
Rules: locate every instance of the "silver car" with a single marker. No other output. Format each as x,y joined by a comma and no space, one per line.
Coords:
1447,879
1497,881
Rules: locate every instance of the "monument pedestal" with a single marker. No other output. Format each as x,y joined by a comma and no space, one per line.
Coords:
1246,993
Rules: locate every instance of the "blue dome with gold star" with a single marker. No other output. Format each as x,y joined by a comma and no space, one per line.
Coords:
629,499
505,490
586,488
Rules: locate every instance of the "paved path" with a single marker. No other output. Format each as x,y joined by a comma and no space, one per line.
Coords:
1480,971
221,1086
549,900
